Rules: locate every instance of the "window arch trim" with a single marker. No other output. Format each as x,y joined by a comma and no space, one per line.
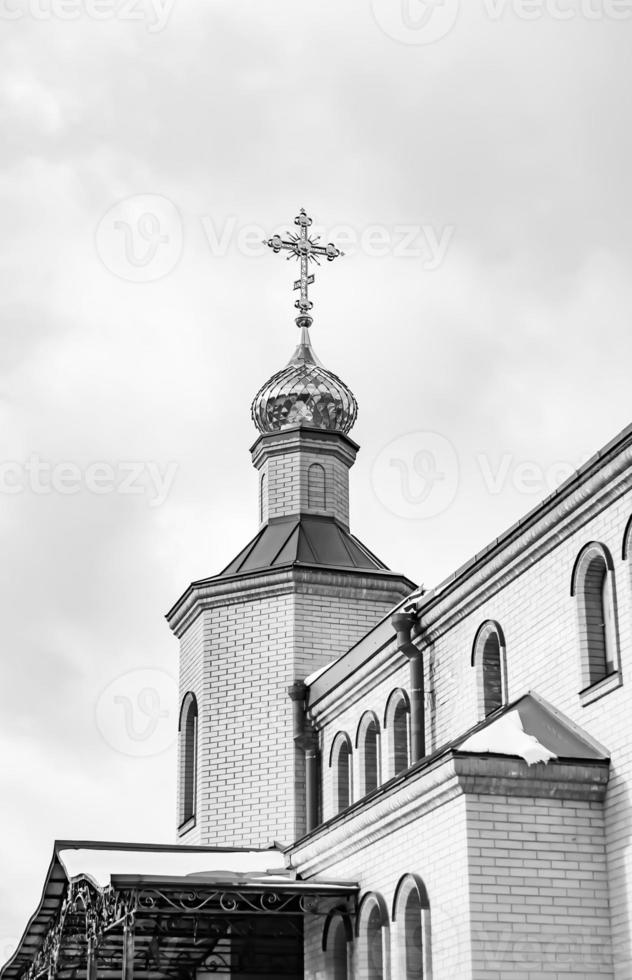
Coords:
407,883
397,694
627,540
363,724
367,900
188,701
587,553
339,739
333,916
482,635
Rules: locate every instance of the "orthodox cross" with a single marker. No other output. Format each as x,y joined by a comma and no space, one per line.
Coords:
306,249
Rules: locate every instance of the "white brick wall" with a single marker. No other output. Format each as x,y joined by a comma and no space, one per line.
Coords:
239,656
539,620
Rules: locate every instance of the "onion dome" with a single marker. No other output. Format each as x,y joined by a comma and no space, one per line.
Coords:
304,393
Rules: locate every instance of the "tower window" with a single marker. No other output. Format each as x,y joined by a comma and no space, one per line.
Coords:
368,743
188,735
262,497
489,658
316,496
340,764
593,588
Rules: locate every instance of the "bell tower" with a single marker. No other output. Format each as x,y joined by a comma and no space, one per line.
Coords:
300,593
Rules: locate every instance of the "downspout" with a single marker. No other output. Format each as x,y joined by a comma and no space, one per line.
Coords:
402,624
306,739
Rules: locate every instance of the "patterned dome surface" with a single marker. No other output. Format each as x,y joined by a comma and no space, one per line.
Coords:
304,393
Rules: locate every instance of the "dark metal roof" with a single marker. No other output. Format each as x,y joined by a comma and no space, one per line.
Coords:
307,540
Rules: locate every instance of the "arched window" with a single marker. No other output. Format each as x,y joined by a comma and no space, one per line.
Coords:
336,935
340,764
372,931
397,727
368,744
592,584
262,496
316,495
489,658
411,915
188,757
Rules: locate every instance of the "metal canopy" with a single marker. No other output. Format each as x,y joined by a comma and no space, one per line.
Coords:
152,927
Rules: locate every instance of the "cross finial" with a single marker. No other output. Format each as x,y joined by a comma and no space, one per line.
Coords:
305,249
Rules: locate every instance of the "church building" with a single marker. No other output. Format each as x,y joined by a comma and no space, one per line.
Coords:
377,781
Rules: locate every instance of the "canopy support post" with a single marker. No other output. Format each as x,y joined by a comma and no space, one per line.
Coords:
128,948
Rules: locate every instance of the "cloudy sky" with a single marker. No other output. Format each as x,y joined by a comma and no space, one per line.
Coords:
475,166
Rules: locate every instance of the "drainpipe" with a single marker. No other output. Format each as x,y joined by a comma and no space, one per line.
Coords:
402,624
306,739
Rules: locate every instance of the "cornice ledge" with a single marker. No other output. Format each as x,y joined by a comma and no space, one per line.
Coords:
423,792
525,549
381,665
494,775
207,593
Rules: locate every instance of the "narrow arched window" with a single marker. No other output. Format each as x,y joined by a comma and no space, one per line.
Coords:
336,937
262,496
368,745
340,763
316,495
593,587
397,729
411,916
188,734
489,658
372,929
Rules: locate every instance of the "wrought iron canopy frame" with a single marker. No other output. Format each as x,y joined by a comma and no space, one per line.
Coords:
169,927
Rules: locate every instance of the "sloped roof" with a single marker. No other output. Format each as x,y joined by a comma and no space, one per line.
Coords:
306,540
537,731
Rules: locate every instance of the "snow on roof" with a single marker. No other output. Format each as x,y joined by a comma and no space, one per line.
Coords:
101,864
506,736
321,670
